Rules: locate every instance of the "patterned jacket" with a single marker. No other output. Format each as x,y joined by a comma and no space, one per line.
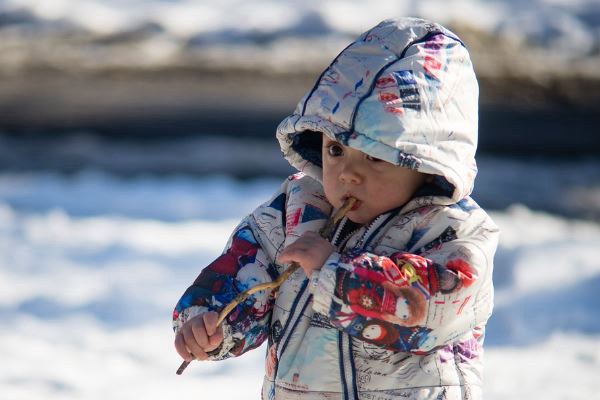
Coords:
399,310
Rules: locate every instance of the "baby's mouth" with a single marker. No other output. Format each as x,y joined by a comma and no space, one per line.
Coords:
356,204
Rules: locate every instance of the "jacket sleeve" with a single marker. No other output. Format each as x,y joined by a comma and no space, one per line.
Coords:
248,260
412,302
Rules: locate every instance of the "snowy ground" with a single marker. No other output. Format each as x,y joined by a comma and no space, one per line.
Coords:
91,266
560,24
272,33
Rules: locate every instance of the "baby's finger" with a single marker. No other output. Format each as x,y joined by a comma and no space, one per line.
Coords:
283,257
182,349
290,253
310,235
192,344
210,322
199,331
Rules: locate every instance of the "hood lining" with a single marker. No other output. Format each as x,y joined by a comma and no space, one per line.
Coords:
308,145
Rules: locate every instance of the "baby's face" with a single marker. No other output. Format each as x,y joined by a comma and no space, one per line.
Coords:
377,185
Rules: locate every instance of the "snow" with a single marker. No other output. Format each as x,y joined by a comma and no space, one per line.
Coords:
571,28
92,264
187,17
563,366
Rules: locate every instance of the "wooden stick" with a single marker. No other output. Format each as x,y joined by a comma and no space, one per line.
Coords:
325,233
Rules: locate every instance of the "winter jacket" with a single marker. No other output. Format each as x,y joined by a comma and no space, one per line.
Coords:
399,309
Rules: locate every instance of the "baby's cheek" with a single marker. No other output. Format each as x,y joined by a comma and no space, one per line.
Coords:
330,195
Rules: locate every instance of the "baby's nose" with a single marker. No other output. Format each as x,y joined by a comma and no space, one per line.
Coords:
350,174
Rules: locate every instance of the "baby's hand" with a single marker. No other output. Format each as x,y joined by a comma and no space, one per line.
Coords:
310,251
198,336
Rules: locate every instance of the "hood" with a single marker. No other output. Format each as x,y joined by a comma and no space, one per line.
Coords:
405,92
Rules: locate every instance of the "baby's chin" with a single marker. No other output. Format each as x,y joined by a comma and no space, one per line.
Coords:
359,218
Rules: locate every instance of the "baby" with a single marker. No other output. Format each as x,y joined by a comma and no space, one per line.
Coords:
394,304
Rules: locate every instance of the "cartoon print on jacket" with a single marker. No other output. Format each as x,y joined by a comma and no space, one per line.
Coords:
399,309
395,292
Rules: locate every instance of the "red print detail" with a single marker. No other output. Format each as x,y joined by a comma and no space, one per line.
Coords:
394,110
331,78
365,299
380,332
435,44
387,97
464,271
391,271
432,66
292,220
371,37
271,361
460,310
385,82
227,264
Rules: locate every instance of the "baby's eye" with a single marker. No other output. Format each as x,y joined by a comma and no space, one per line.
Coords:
335,150
373,159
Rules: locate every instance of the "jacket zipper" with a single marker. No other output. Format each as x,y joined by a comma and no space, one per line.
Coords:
368,233
346,357
346,364
291,322
337,239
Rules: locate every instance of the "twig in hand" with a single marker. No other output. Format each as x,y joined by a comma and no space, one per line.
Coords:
325,233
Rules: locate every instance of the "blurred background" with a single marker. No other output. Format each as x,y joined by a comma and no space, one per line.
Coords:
135,134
